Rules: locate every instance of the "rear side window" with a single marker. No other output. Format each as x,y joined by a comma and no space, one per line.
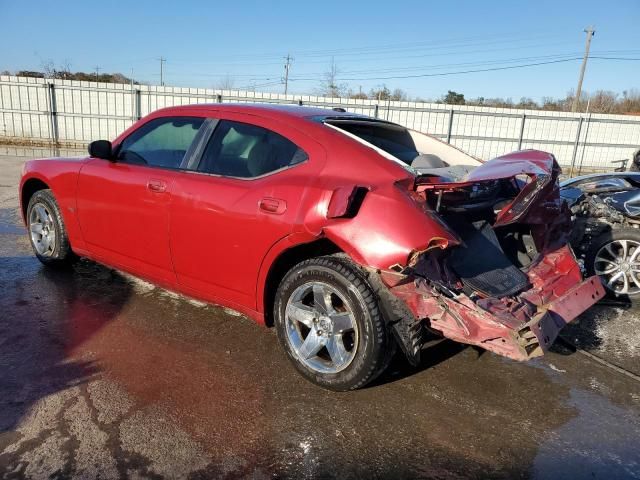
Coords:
242,150
162,142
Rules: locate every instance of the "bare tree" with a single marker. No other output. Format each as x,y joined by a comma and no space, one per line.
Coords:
49,69
399,95
226,83
62,71
603,101
630,102
380,93
528,103
329,86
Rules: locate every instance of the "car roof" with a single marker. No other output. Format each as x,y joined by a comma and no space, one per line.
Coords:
265,109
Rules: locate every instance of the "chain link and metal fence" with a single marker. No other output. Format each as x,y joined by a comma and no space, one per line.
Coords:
72,113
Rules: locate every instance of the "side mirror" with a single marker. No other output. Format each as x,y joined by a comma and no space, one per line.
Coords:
101,149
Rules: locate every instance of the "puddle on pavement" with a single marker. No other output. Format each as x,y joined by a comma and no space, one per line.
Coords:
601,441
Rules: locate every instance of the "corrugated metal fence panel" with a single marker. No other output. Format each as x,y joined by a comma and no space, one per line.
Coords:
84,111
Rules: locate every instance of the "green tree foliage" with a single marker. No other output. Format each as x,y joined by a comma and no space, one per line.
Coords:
63,72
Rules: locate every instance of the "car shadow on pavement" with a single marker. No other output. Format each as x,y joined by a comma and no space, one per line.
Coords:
44,315
586,332
431,356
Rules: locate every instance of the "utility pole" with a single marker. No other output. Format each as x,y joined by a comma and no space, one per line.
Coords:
287,66
97,71
590,32
162,60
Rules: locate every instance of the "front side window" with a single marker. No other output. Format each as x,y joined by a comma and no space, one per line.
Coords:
162,142
242,150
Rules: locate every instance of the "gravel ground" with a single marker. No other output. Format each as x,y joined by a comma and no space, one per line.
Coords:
103,375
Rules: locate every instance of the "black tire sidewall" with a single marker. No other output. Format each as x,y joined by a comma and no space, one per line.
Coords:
627,233
61,251
371,346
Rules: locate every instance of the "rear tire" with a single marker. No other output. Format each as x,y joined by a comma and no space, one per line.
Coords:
328,321
606,258
47,232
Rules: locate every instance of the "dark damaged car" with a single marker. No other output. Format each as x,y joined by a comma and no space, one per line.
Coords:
606,233
351,235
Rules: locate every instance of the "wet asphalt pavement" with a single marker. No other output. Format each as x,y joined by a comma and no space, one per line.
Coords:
104,375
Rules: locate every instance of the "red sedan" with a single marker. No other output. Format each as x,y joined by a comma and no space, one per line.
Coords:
351,235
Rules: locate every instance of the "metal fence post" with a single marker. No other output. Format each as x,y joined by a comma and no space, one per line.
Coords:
53,113
575,147
524,118
450,126
584,144
375,111
138,105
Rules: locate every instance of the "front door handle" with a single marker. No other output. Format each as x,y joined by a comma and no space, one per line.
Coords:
157,186
274,206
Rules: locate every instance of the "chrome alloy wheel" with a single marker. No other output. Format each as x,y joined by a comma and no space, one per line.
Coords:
42,230
321,327
618,264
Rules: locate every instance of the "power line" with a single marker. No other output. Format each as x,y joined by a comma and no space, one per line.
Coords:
442,74
393,48
397,69
366,57
615,58
253,86
480,63
451,42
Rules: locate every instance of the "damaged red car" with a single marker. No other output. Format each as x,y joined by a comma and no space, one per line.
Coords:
351,235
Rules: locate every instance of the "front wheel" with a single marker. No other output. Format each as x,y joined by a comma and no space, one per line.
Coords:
615,257
328,321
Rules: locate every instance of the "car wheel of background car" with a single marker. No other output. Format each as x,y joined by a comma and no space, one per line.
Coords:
615,257
328,321
46,230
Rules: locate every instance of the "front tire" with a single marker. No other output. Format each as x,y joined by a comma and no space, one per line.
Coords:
47,232
615,257
328,321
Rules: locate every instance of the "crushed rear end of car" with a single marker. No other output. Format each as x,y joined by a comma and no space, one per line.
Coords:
501,275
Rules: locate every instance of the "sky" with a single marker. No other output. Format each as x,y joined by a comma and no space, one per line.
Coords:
419,46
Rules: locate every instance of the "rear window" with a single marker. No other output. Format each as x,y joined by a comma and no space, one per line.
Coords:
393,139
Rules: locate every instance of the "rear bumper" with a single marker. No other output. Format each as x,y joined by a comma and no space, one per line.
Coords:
537,335
520,327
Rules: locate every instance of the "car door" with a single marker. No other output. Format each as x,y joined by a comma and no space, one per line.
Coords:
242,199
123,204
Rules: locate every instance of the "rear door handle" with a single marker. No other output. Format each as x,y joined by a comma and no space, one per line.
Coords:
157,186
274,206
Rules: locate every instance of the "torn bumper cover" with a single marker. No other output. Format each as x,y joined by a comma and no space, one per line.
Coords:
520,327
